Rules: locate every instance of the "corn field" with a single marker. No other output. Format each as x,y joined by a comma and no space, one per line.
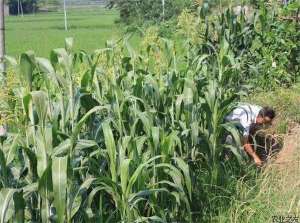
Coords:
136,134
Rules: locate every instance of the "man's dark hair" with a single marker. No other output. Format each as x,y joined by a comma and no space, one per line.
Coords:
267,112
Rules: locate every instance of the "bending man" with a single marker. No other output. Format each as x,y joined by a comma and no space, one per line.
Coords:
247,115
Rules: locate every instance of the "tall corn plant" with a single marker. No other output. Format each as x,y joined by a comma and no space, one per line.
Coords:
121,135
65,167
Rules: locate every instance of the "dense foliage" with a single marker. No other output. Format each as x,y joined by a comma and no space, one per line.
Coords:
125,135
25,6
151,10
265,42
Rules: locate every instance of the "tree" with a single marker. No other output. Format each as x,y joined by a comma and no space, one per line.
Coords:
2,37
27,6
153,10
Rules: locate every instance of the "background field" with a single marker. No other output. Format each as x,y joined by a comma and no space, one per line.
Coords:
90,27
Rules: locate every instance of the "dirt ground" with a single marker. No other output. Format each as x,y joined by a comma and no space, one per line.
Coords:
288,157
285,169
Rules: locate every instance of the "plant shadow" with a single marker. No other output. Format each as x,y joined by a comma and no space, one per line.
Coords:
266,145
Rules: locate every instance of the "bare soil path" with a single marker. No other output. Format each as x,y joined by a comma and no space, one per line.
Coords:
285,172
289,155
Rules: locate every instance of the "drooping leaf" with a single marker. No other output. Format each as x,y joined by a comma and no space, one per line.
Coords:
41,152
19,203
40,102
45,188
12,150
59,179
69,43
81,122
27,68
186,172
124,174
111,149
6,204
76,199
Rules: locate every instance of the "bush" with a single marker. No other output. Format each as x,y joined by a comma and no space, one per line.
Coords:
28,6
151,10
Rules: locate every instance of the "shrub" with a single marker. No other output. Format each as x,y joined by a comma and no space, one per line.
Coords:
151,10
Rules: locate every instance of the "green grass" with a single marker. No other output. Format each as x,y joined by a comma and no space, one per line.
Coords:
42,32
275,191
286,103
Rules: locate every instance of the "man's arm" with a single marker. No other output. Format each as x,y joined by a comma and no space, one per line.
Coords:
249,149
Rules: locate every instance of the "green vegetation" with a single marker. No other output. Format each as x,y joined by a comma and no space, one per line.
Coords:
42,32
151,10
135,133
275,191
26,6
285,101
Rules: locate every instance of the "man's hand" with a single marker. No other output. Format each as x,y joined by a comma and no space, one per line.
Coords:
248,148
251,152
258,161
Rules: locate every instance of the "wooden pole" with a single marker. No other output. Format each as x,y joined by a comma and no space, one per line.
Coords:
18,7
2,38
65,12
163,6
21,7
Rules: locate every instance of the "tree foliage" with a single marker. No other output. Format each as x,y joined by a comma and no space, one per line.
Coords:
131,10
27,6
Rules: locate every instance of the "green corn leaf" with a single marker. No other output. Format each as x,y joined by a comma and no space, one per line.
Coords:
140,143
29,189
199,60
69,43
26,100
62,149
137,172
186,172
12,61
174,173
147,122
155,137
4,169
27,68
81,122
6,204
124,166
32,161
46,66
11,152
150,219
76,200
40,102
111,149
230,128
107,185
178,103
171,184
144,193
19,203
188,93
85,144
59,179
45,187
41,152
236,151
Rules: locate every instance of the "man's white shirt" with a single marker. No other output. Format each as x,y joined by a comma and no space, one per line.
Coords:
245,115
3,130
